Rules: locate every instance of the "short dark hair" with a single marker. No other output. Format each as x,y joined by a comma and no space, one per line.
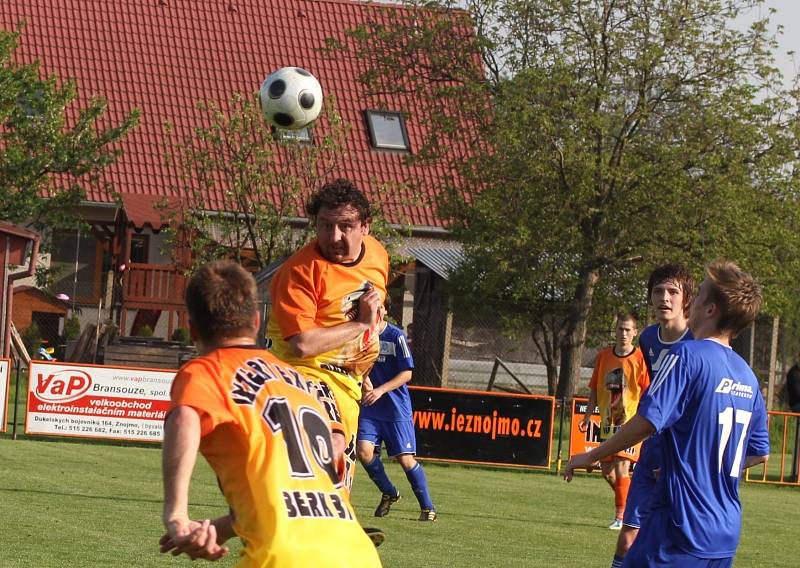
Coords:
337,193
677,273
221,300
627,315
736,293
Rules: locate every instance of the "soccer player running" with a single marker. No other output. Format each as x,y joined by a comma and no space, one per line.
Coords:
669,290
618,381
261,427
706,403
386,417
326,300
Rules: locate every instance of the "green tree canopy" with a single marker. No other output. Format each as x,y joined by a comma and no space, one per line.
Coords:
608,136
51,150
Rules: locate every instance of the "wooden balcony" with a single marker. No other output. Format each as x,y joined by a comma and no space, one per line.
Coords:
153,287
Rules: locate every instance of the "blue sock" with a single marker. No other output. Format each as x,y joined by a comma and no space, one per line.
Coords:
617,562
378,475
416,477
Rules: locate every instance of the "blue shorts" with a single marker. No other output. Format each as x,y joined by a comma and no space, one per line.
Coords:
652,549
637,507
398,436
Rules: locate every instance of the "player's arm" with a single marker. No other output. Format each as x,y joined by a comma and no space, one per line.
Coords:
323,339
631,433
371,396
197,539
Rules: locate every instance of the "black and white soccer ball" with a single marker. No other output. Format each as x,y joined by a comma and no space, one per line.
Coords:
291,98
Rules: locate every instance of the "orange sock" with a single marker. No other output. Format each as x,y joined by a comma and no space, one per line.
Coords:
621,494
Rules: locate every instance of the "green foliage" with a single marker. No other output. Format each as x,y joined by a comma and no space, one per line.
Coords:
32,339
145,331
72,328
48,144
181,334
605,138
264,179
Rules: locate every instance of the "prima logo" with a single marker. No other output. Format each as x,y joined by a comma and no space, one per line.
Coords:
734,388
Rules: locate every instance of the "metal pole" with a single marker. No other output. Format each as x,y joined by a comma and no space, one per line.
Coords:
16,402
75,275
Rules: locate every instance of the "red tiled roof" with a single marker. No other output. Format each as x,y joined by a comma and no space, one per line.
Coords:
142,210
161,56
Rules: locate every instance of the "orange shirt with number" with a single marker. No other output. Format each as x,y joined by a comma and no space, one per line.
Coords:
267,437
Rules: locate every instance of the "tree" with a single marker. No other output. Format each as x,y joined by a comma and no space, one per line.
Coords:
50,150
606,136
262,177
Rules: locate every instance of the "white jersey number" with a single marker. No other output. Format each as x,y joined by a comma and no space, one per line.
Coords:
726,420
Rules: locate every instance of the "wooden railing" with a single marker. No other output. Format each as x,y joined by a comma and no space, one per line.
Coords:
153,286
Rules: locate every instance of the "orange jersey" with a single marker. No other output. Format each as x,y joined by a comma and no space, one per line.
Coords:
309,292
268,439
619,383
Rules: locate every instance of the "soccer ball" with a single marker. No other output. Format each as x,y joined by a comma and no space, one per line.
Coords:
291,98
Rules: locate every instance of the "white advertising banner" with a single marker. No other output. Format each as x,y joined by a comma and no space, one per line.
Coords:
5,376
93,401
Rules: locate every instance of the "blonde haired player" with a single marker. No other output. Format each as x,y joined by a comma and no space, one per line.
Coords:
261,427
617,384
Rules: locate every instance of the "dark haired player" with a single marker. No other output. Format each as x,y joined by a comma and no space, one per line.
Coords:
326,300
386,418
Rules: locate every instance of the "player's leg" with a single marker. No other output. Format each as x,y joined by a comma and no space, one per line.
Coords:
369,438
607,469
401,444
637,507
621,486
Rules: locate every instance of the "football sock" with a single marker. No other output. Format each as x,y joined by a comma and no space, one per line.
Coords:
621,494
419,484
378,475
617,562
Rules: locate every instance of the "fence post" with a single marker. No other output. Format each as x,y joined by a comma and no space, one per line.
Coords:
563,403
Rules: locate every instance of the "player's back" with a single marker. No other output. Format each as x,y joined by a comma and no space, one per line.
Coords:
722,419
267,438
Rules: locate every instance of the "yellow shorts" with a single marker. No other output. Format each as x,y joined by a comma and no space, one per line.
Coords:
344,416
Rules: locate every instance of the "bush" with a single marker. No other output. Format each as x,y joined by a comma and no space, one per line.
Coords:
32,339
72,328
181,334
145,331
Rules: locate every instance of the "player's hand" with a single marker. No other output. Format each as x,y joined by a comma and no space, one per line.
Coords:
369,307
579,461
196,539
371,397
366,384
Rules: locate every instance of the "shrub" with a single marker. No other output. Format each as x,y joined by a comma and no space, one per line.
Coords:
181,334
32,339
72,328
145,331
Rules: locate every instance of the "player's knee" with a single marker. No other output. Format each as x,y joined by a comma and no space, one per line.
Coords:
365,452
625,540
406,461
339,445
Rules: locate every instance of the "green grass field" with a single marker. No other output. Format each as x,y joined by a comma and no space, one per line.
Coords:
78,504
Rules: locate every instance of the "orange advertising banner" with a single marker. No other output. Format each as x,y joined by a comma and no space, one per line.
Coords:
582,440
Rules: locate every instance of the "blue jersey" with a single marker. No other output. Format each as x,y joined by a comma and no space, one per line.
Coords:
706,403
394,358
655,350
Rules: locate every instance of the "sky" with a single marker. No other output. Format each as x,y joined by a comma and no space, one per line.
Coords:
787,15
